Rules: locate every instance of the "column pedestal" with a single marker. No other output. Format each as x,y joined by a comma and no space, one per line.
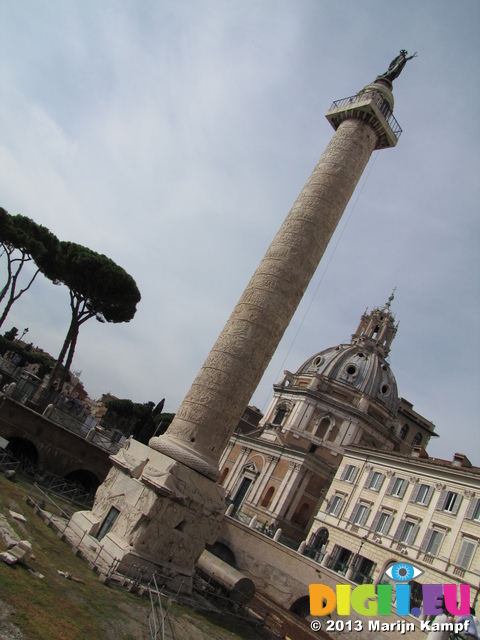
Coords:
166,513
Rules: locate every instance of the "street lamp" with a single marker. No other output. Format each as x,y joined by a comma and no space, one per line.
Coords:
24,332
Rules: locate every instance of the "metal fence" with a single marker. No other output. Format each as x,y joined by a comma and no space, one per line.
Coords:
381,103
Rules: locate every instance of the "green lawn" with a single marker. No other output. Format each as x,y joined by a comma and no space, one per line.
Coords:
55,608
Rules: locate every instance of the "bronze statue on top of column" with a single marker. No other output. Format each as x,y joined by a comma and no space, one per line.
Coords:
396,66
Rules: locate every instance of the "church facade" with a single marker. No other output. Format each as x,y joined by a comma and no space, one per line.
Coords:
344,395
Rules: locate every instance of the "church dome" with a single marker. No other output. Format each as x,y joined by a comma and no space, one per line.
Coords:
362,364
353,365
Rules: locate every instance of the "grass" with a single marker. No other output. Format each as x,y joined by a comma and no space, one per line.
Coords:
55,608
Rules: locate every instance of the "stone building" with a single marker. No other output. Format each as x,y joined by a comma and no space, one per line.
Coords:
387,507
344,395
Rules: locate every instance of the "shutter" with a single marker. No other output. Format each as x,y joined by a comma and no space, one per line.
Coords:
330,504
415,491
471,508
413,535
375,522
456,504
388,524
364,517
429,495
436,543
426,540
381,481
354,513
369,479
442,500
390,486
339,508
465,554
355,471
399,530
403,488
344,472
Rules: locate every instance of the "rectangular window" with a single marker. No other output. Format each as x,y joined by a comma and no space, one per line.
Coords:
407,529
450,502
474,510
406,532
398,487
432,542
349,473
360,514
466,553
375,480
335,505
422,494
382,523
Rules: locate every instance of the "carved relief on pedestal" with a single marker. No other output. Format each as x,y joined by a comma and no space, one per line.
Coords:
129,462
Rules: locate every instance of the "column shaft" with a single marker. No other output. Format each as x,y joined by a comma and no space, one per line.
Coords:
213,405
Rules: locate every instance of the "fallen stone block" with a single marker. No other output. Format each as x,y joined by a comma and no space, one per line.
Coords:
22,551
7,534
8,557
17,516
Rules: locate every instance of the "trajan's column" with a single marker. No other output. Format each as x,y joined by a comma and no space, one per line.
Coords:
160,504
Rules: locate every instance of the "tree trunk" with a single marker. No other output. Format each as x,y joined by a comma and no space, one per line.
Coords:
61,357
68,363
13,298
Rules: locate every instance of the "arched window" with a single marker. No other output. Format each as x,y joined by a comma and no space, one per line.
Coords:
322,428
224,475
417,439
404,431
267,498
280,415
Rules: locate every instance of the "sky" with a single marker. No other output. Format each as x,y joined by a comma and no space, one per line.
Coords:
174,138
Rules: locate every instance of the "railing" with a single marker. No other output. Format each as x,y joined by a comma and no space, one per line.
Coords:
381,103
142,579
7,366
69,491
70,416
8,462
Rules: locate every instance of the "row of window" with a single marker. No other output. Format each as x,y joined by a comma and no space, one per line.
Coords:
422,493
448,502
407,530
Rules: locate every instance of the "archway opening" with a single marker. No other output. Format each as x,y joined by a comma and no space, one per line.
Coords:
223,552
85,479
301,607
22,450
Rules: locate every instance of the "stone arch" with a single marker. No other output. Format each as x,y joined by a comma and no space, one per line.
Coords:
302,515
319,538
23,449
383,579
222,551
301,607
84,478
255,465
